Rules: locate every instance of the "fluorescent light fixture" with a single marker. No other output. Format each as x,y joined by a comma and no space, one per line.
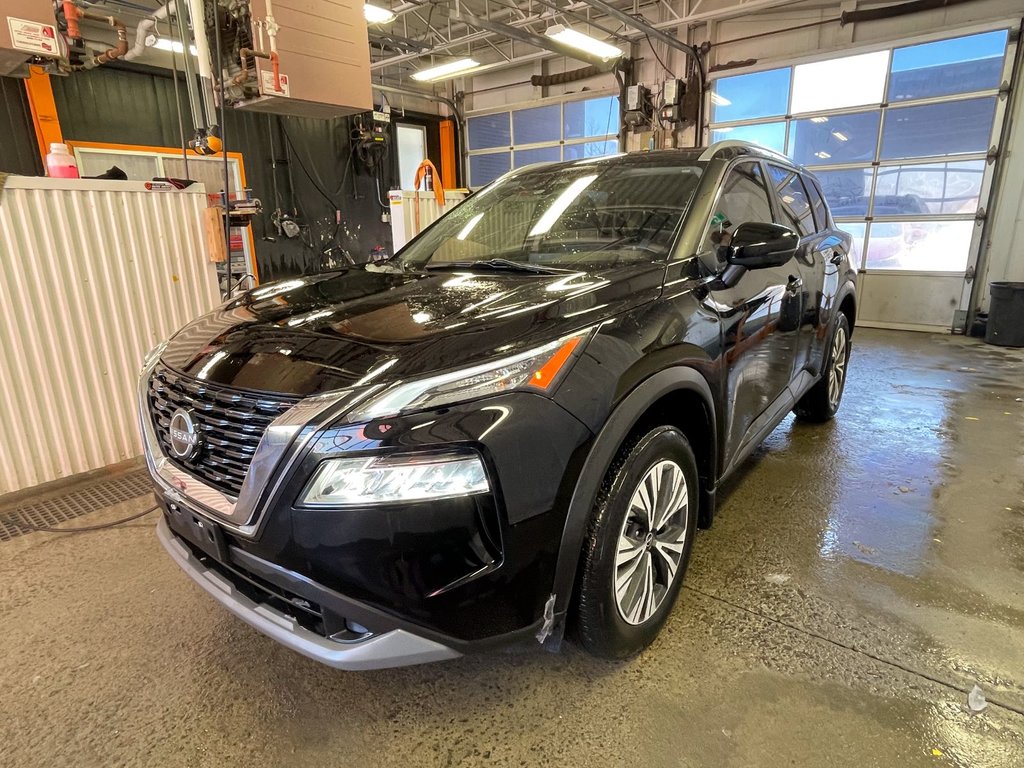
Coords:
581,42
374,14
165,44
469,227
563,201
840,136
822,155
819,119
720,100
446,70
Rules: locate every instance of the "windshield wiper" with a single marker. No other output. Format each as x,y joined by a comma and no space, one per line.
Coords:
499,264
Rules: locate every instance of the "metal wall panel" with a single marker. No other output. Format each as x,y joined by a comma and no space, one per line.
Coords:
19,151
93,274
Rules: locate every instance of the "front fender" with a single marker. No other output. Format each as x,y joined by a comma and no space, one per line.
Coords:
601,455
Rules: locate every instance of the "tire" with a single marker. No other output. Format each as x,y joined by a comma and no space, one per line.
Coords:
613,618
821,401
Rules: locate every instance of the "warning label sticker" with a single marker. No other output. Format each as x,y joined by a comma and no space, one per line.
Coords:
33,37
267,79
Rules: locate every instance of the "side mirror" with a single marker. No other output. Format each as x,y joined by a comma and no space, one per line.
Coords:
757,245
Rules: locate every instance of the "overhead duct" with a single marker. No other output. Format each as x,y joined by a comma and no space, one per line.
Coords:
572,76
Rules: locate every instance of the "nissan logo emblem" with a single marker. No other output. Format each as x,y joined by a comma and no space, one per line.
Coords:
184,435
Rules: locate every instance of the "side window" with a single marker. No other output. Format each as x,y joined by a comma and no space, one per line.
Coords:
795,210
817,204
744,198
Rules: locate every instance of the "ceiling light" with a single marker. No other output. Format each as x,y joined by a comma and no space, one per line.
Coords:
446,70
822,155
720,100
840,136
819,119
376,15
579,41
165,44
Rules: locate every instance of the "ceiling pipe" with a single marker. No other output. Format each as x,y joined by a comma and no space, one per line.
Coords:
530,38
146,28
643,26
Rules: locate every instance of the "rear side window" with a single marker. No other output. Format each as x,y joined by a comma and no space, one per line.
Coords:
744,198
794,205
817,204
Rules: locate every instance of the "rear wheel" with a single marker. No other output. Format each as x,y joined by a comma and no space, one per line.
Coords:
638,544
821,401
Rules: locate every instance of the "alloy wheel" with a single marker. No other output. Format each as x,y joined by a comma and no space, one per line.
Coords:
837,371
651,542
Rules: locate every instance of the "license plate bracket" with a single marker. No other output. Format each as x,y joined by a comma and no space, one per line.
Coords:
206,535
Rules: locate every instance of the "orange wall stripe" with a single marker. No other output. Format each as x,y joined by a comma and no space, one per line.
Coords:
44,111
447,129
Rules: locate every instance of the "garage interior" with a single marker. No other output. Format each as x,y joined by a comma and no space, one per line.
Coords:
859,599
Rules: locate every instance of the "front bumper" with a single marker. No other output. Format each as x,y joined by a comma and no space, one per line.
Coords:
394,648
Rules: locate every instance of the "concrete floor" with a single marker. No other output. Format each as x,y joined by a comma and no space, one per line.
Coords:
860,578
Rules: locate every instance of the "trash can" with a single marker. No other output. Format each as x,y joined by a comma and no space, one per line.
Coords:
1006,314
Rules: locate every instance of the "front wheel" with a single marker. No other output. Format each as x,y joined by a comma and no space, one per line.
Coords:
638,544
821,401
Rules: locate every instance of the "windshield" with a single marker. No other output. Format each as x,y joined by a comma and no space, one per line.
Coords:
583,216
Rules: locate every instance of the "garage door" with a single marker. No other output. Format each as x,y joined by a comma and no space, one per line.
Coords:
900,139
558,130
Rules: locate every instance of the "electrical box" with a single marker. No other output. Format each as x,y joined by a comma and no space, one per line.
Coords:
28,30
671,92
324,68
634,97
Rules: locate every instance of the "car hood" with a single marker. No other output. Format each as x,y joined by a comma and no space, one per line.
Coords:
339,329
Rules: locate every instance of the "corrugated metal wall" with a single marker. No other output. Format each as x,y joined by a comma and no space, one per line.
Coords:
93,275
19,152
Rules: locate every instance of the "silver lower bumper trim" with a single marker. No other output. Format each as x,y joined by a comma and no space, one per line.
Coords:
396,648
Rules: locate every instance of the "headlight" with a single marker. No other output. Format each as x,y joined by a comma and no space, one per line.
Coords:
395,478
153,355
537,369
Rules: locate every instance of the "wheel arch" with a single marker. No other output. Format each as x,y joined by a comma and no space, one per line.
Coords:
667,397
847,304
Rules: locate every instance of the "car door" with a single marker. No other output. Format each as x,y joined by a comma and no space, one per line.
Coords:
758,349
807,270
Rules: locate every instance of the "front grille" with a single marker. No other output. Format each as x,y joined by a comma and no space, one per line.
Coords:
230,422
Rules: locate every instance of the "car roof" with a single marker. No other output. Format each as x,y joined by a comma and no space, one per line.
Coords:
722,150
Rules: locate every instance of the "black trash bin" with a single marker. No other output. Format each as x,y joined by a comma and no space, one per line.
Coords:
1006,314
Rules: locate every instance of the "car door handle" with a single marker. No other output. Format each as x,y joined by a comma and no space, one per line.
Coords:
794,285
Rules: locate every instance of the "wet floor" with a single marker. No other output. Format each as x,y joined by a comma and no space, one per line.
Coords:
861,577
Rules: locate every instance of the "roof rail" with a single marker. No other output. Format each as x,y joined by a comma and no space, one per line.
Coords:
743,147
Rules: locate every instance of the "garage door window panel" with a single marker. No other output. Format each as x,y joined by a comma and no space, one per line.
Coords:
919,246
850,81
858,234
933,130
537,125
961,65
835,139
591,118
483,169
750,97
848,191
768,135
934,188
490,131
523,157
589,149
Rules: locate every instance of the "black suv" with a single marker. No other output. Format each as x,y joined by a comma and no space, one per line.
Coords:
515,425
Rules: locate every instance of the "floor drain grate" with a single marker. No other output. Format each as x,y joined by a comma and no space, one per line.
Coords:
59,509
